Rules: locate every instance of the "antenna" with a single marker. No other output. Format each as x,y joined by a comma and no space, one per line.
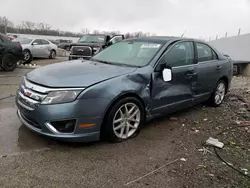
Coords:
183,33
239,31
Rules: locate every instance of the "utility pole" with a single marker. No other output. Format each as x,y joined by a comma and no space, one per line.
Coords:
5,25
239,31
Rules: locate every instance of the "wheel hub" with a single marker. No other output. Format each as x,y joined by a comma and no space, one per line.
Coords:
220,93
126,120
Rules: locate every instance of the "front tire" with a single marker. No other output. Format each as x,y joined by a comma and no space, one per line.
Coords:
9,62
219,93
124,120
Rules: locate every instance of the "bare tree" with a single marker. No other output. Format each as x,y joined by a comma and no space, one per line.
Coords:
27,25
85,31
43,26
6,22
96,32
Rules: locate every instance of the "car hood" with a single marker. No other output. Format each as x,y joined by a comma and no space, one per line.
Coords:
76,73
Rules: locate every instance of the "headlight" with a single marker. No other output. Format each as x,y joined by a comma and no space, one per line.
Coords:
96,49
56,97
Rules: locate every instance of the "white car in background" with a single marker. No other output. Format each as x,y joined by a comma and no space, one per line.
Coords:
37,48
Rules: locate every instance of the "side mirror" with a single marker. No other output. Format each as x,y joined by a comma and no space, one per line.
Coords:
167,74
34,43
109,43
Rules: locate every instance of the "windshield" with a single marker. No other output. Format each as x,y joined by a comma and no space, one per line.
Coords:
130,53
92,39
23,41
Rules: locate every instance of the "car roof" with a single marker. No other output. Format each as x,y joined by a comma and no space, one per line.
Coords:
160,39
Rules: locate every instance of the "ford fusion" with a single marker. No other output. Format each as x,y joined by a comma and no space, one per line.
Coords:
112,95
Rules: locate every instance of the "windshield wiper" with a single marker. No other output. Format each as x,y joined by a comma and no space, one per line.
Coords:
106,62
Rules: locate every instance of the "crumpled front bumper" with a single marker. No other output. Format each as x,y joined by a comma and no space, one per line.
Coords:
85,137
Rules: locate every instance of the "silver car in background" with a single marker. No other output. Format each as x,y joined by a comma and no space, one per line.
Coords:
37,48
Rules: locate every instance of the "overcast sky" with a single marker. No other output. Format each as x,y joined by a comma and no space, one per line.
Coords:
201,18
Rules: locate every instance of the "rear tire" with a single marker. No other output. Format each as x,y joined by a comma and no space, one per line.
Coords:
124,120
52,54
219,93
9,62
27,57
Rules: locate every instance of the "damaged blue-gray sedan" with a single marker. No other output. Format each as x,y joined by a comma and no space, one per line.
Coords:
111,95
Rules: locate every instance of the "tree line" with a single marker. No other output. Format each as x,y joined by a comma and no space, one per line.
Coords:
28,27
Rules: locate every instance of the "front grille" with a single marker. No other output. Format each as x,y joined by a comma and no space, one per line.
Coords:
31,94
82,50
31,121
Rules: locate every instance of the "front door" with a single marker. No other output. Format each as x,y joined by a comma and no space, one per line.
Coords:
37,48
178,93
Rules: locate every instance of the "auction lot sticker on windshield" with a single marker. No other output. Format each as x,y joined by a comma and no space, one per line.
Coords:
150,46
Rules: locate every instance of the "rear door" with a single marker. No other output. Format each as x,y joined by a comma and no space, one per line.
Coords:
208,71
177,93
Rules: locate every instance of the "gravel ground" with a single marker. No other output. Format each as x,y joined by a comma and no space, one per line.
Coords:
168,152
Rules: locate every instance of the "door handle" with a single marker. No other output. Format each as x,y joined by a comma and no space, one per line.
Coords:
189,74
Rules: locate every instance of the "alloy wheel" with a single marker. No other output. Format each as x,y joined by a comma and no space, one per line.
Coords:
220,93
53,54
26,55
126,120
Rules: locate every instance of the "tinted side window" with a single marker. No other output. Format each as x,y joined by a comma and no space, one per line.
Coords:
204,52
181,54
37,41
44,42
215,56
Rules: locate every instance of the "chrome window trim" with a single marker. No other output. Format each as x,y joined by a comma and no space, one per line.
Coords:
203,62
183,66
